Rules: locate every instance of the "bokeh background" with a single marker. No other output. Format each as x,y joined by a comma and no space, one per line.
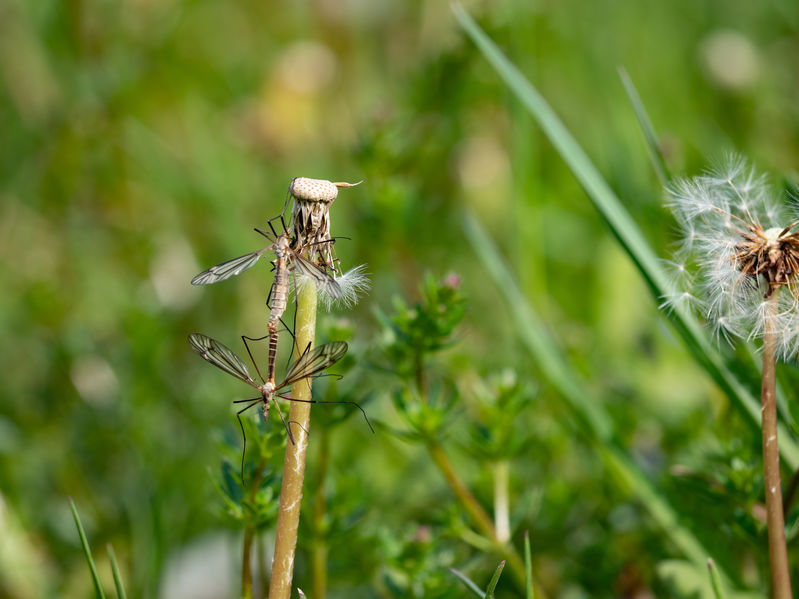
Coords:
141,140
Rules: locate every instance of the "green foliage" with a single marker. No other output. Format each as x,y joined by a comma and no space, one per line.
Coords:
98,585
412,332
415,565
142,141
496,407
411,336
250,502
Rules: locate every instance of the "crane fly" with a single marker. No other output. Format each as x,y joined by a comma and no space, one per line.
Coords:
311,362
287,259
290,256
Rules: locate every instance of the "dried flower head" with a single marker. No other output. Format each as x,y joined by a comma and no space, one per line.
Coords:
738,249
311,214
311,229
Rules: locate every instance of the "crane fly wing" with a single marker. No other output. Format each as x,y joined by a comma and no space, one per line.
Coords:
314,361
222,357
227,269
324,281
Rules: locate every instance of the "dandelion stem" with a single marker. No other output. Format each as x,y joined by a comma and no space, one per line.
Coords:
288,518
778,554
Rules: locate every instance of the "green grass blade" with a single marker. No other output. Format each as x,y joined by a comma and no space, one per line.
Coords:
492,584
115,571
536,337
98,588
470,584
529,587
625,230
650,137
577,398
715,580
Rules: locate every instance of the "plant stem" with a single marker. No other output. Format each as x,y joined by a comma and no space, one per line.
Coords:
478,514
778,554
462,492
288,518
263,577
464,495
246,574
501,501
249,535
320,549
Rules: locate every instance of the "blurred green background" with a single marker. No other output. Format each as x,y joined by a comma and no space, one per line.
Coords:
143,139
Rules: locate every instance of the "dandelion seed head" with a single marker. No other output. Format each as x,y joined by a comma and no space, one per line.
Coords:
741,250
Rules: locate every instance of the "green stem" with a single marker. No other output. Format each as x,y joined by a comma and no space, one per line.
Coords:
288,518
249,536
777,550
246,573
263,576
502,501
478,515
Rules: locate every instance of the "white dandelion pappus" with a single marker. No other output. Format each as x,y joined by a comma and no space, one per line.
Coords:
744,248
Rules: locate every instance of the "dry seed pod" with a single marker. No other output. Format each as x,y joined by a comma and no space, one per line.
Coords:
316,190
311,218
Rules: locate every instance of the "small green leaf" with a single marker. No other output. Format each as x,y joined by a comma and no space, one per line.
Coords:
652,145
715,580
98,588
492,584
115,571
529,587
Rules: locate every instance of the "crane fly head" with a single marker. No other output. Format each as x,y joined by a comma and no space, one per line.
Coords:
282,244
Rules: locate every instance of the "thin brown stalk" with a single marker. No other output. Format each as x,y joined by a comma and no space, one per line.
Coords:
778,554
288,518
